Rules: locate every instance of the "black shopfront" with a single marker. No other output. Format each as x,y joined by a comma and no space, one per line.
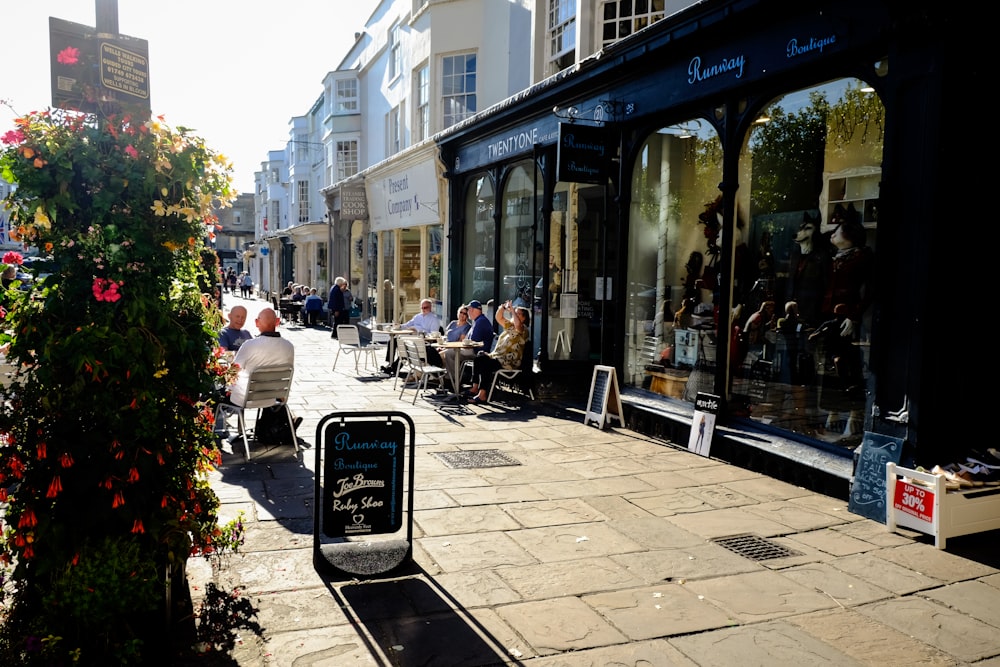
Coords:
774,179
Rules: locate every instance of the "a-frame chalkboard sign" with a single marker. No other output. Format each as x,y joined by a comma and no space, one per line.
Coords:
605,401
363,516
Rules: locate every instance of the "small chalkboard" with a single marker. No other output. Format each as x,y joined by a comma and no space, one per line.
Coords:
605,401
868,486
363,474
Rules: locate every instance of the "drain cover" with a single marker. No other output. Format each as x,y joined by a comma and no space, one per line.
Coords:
476,458
754,547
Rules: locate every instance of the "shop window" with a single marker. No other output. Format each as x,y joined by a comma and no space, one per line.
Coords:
670,318
479,246
520,250
803,289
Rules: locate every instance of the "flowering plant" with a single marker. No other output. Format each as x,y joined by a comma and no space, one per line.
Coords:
106,436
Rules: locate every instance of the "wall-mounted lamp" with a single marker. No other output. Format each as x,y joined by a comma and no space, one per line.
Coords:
569,113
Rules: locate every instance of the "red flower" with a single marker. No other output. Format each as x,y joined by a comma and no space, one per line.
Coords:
55,487
12,137
13,257
27,520
68,56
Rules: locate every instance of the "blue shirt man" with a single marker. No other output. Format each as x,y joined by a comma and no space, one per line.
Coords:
481,332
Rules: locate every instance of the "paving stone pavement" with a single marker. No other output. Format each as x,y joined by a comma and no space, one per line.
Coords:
599,548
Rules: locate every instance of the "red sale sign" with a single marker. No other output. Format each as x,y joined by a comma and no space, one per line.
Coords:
914,500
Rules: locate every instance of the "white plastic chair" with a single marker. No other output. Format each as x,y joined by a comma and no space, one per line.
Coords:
415,351
349,340
267,387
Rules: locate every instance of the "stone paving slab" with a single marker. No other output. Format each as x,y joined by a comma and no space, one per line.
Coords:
957,634
868,641
934,562
561,624
456,520
658,611
974,598
326,647
541,513
575,577
705,560
455,553
656,653
760,596
765,644
561,543
881,572
842,588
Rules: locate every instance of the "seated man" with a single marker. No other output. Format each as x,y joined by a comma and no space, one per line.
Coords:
234,335
267,349
481,332
313,308
424,322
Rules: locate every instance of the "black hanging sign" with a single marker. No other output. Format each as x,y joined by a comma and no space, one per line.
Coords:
583,154
94,73
363,478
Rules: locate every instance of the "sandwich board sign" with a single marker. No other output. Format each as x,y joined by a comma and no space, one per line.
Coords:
605,401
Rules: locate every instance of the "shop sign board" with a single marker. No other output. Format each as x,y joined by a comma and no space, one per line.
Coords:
93,72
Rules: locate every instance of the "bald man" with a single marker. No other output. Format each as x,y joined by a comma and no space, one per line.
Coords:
234,335
267,349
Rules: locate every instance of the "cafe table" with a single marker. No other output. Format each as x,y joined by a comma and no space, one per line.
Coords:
457,377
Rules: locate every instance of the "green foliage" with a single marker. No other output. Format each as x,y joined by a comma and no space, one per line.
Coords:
105,439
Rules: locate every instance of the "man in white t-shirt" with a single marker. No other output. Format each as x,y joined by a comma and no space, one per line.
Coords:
267,349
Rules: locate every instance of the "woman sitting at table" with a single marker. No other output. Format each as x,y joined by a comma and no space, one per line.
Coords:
455,332
507,354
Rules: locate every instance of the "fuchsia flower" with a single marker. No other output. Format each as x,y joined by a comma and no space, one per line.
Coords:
106,290
131,151
68,56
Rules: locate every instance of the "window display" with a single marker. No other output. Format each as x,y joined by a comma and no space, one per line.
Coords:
802,278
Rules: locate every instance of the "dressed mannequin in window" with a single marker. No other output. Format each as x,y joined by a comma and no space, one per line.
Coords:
851,289
852,270
809,271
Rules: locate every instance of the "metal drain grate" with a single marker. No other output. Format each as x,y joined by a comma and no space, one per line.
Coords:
476,458
754,547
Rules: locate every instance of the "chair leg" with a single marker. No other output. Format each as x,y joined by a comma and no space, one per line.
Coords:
291,428
243,431
336,358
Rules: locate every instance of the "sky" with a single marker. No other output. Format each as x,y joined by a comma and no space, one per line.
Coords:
235,71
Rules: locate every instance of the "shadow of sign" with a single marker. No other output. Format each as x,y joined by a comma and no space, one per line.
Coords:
419,624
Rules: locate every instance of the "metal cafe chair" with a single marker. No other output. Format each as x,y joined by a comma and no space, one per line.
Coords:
268,386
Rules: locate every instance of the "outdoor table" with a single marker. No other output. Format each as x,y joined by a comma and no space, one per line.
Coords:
457,377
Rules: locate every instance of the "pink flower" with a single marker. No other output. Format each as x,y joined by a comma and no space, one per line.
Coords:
131,151
13,137
13,257
68,56
106,290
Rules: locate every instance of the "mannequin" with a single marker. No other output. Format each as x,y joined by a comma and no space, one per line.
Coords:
808,271
849,294
852,270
